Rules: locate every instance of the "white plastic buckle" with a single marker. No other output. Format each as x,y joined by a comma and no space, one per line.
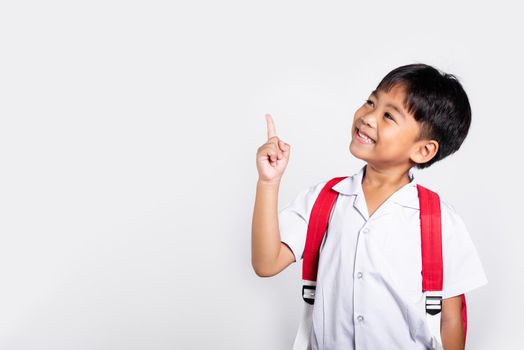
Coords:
308,291
433,301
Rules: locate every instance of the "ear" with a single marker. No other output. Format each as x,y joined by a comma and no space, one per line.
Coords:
424,151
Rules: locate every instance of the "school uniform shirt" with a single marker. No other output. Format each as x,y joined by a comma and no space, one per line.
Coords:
369,281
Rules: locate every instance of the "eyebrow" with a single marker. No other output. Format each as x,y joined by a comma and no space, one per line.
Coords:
374,93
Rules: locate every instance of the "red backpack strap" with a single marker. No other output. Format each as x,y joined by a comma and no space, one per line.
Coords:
431,238
317,226
464,316
432,267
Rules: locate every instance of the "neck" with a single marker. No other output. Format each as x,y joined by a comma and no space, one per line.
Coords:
390,178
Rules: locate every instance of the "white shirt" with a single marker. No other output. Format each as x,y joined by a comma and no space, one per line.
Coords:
369,282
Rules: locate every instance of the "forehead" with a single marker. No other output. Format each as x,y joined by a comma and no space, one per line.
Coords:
396,94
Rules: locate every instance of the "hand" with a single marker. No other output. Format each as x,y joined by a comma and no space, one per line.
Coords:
273,156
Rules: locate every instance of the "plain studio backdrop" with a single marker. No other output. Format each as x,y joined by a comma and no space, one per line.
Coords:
127,159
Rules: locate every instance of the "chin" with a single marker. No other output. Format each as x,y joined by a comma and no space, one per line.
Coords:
355,153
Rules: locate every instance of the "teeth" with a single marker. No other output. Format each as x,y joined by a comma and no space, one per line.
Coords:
365,137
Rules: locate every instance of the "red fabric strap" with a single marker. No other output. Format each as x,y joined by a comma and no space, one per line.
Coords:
464,316
318,223
431,238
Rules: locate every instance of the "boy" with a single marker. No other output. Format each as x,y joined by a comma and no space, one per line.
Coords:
368,293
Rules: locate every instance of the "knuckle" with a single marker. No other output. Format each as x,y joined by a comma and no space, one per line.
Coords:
266,150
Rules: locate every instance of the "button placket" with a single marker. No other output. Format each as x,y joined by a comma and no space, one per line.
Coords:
357,287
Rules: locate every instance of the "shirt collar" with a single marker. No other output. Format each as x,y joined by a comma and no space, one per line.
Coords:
406,196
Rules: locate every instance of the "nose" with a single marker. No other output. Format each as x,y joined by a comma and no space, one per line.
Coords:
368,120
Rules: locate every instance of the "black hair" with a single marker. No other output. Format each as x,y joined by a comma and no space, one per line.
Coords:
437,101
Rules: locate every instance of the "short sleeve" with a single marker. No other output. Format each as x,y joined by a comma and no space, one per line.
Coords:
463,270
294,217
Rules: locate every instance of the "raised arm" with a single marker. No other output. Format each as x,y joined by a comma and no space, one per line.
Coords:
269,255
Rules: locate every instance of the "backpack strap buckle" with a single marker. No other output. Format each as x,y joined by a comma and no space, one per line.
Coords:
308,291
433,302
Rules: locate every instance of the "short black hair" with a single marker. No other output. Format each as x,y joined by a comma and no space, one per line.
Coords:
437,101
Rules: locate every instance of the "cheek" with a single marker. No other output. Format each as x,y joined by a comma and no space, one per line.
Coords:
356,117
398,142
358,113
388,135
393,141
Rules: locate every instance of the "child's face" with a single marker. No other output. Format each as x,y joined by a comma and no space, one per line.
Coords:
393,130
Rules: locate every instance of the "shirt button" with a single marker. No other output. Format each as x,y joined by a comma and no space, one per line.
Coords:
360,318
366,230
359,275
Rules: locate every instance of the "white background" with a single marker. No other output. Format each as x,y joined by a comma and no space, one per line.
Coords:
128,137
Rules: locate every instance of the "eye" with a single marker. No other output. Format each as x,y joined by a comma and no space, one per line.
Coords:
387,115
369,102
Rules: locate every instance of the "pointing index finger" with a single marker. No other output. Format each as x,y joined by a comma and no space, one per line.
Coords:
271,131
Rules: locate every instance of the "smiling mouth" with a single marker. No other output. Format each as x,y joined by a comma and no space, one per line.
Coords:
363,138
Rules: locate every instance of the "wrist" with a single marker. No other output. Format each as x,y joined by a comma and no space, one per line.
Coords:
268,184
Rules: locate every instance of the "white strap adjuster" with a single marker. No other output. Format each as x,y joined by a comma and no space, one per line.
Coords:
433,302
308,291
